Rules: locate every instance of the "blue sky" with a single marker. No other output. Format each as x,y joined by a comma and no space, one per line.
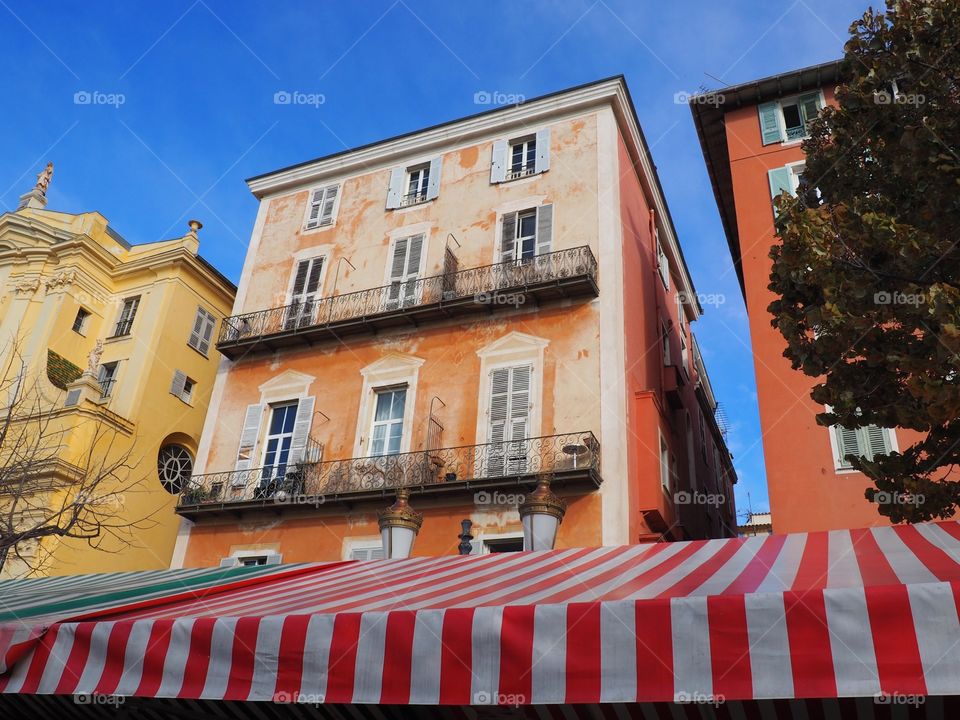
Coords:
197,79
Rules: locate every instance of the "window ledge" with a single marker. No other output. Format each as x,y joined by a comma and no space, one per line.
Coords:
846,471
117,338
414,206
519,179
204,355
319,228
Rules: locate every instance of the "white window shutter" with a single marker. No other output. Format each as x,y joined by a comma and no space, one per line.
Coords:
520,402
179,383
499,403
301,430
877,440
395,190
329,207
544,229
779,181
770,123
543,150
274,559
508,236
316,203
663,264
399,262
433,184
848,443
248,437
229,562
498,163
413,257
206,337
197,332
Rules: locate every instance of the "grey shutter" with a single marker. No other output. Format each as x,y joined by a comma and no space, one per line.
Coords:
413,257
544,229
248,437
848,443
543,150
508,236
809,106
498,164
229,562
395,190
769,123
274,559
209,324
329,205
877,440
316,201
313,277
300,279
398,264
301,430
519,402
178,384
499,417
433,184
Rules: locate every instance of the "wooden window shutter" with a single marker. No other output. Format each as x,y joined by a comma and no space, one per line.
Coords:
301,430
313,277
542,163
544,229
248,437
848,443
316,202
498,163
395,189
877,440
329,205
433,184
520,402
179,383
508,236
499,403
413,257
300,279
197,332
398,264
206,337
770,123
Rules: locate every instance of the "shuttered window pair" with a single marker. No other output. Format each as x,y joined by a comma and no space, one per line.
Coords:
369,552
413,184
202,333
303,295
510,406
404,271
520,157
127,313
786,120
323,206
865,442
663,264
182,386
285,440
526,234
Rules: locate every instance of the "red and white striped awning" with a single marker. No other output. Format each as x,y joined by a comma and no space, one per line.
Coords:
852,614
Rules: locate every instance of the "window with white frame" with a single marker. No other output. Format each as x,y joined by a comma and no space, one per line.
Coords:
303,293
202,334
523,157
666,478
526,234
785,179
404,272
788,119
127,313
418,181
500,543
866,442
386,432
80,321
322,209
278,441
107,378
372,550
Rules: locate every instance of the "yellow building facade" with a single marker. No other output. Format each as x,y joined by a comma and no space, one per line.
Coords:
115,345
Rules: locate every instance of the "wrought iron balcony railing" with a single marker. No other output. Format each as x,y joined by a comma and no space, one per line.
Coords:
569,458
564,273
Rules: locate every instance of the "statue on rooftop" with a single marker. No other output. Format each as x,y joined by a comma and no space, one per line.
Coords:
43,179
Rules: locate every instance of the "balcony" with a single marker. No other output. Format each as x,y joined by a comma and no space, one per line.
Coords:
489,289
572,460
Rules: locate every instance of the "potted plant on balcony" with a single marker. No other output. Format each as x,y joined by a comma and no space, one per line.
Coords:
194,495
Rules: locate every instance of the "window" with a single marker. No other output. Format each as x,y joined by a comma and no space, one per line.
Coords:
303,295
665,476
323,206
404,270
520,157
513,543
364,551
252,560
663,265
202,333
127,313
276,448
182,386
526,234
523,158
865,442
785,179
414,184
665,341
684,352
788,120
107,378
510,406
174,466
387,430
80,321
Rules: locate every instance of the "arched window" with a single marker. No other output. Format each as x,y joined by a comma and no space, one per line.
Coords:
174,466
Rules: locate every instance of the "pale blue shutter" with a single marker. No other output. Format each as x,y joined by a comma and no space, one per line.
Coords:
433,184
395,190
848,443
769,123
248,437
301,430
498,164
544,228
779,182
543,150
877,440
